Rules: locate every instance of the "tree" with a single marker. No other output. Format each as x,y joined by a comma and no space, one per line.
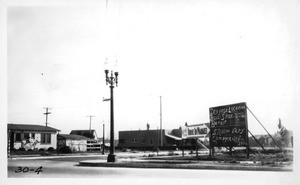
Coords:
283,135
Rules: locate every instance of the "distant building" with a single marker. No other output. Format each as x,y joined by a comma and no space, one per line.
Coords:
76,143
149,139
266,141
29,136
93,144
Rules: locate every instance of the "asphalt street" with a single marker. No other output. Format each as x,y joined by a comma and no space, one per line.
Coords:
67,167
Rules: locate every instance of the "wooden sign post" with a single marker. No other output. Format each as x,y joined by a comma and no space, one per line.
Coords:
229,127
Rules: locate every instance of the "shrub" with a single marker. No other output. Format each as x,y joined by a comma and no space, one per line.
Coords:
41,149
151,155
65,149
155,149
21,149
170,153
29,150
50,149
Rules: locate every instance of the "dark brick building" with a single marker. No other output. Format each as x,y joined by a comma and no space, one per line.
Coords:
149,139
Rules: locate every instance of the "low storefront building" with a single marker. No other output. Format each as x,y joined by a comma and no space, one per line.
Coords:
31,137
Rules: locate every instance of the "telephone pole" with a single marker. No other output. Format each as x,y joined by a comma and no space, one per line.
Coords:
46,113
161,134
90,122
103,145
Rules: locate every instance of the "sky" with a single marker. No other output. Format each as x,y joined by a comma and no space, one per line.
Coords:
194,54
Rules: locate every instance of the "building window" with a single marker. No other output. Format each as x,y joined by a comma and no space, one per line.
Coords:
133,140
33,135
26,136
151,141
18,136
143,140
45,138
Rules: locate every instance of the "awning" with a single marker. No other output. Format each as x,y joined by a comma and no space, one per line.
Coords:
173,137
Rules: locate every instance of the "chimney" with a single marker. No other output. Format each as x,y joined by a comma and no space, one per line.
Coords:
148,126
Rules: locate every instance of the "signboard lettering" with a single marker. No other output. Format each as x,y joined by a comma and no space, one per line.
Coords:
196,131
228,125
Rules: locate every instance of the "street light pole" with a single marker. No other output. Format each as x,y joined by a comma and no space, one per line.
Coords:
112,80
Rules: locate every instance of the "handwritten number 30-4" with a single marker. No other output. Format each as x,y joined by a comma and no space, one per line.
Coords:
26,169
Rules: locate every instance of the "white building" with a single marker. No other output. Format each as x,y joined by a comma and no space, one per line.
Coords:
32,137
76,143
93,144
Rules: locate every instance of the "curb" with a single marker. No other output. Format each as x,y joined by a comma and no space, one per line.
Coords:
249,162
179,165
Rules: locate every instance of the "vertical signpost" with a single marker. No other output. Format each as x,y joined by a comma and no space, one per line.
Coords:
229,127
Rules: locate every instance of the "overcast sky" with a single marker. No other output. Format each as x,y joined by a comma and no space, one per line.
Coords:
195,54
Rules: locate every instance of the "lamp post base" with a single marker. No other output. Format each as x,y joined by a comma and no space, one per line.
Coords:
111,158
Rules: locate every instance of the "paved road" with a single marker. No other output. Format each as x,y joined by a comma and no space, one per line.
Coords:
67,167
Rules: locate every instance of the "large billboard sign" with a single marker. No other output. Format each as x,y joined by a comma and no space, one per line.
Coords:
195,131
228,125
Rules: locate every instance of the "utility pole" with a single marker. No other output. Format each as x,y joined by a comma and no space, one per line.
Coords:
90,122
157,141
103,145
161,134
46,113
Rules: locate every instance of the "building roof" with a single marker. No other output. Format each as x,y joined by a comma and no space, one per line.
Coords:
173,137
87,133
173,134
153,130
72,137
30,127
92,130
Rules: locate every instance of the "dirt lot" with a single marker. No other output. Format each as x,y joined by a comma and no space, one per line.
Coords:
267,157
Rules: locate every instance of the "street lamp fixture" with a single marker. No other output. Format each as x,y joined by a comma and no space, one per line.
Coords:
111,81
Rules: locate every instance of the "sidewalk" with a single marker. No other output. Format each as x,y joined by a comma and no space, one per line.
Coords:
121,155
37,156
